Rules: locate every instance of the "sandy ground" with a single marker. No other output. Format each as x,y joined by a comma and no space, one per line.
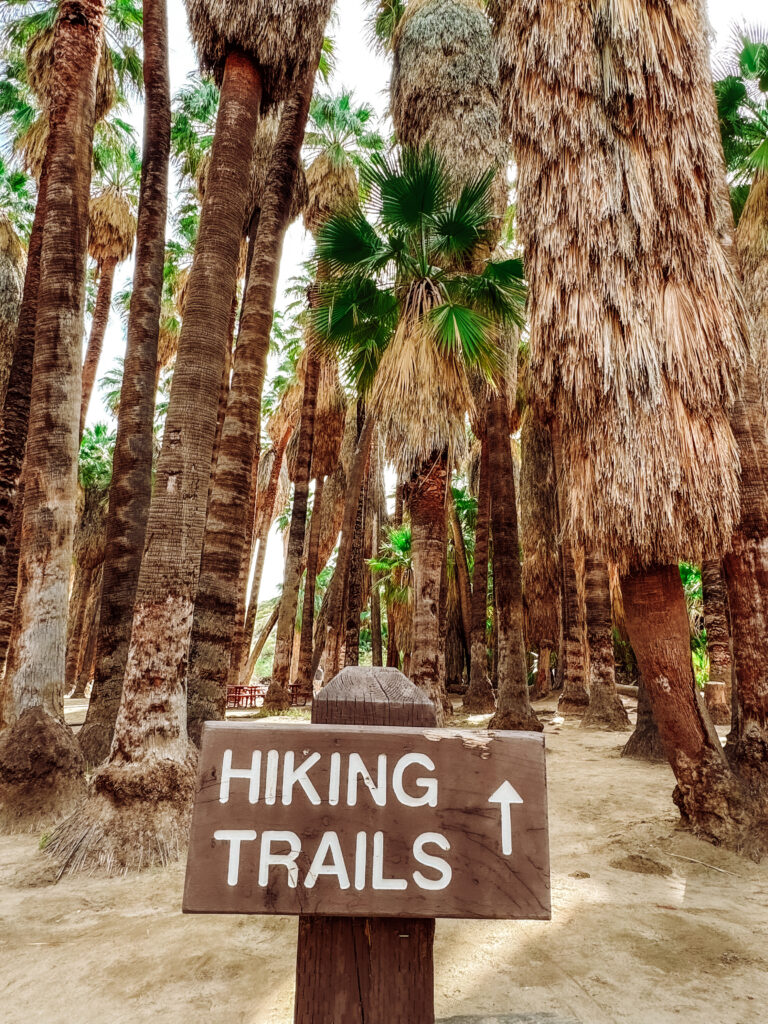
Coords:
649,926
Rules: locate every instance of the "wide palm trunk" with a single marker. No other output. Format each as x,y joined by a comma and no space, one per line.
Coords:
513,710
131,489
718,689
96,339
479,698
605,710
278,695
145,789
226,536
426,502
37,735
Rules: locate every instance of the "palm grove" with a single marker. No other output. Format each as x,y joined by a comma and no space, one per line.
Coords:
560,382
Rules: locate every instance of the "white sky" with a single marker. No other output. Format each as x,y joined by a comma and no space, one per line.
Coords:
364,72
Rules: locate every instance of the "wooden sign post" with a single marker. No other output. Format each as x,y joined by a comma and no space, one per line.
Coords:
369,824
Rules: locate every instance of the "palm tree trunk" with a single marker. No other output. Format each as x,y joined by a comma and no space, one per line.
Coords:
426,501
87,658
574,698
304,677
514,706
707,793
719,688
145,790
36,663
96,339
8,602
131,488
78,602
479,698
462,569
225,535
258,647
246,560
278,696
354,598
605,709
331,637
542,686
645,742
377,653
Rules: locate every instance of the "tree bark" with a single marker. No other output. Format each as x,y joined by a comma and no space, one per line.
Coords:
304,677
146,788
462,569
226,536
718,640
514,706
605,710
131,488
479,698
36,663
426,501
78,601
645,742
574,698
331,637
258,647
542,687
377,653
278,696
96,339
354,599
707,793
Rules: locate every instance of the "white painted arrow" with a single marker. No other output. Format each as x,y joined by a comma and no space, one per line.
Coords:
505,796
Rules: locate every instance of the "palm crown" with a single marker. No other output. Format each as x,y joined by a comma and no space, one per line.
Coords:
410,302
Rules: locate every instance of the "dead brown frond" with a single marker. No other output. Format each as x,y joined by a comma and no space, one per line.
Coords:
280,36
752,247
330,190
637,333
112,226
39,64
31,146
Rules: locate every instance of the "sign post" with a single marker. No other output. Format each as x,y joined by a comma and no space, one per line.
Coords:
369,823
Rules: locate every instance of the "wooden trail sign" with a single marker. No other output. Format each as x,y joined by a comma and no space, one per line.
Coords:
371,821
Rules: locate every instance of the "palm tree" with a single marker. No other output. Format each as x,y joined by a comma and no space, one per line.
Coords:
12,266
605,709
606,318
401,297
111,234
33,684
259,51
719,688
130,491
479,698
393,567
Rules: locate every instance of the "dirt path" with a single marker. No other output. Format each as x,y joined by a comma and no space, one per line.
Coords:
641,932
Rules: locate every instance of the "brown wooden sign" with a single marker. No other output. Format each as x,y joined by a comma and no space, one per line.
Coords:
369,821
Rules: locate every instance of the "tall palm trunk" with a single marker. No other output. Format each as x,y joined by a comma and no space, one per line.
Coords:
718,689
278,696
35,672
145,790
574,698
330,637
226,536
243,575
605,710
377,653
707,793
513,710
426,501
96,339
479,698
645,742
462,570
78,603
131,489
354,596
304,678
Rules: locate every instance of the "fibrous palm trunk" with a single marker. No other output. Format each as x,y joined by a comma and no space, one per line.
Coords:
227,531
718,689
37,735
605,710
377,653
645,742
131,488
304,678
479,698
96,339
278,696
426,502
462,571
145,790
513,710
354,596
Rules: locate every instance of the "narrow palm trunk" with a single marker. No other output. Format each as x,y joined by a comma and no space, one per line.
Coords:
8,602
87,658
514,706
35,672
331,637
718,690
96,339
304,677
426,501
226,536
479,698
605,709
574,698
78,602
246,560
542,685
354,598
258,647
707,793
145,790
278,696
462,569
131,489
377,653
